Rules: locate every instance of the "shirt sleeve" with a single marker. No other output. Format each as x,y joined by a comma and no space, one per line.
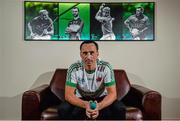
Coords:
71,78
109,79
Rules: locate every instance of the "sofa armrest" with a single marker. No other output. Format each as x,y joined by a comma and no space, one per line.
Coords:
31,100
149,101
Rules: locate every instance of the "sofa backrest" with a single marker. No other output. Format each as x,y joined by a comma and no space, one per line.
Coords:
122,83
57,83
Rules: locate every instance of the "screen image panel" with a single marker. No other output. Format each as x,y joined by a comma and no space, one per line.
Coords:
138,21
106,21
40,20
74,21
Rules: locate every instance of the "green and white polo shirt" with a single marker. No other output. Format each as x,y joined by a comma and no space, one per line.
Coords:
90,84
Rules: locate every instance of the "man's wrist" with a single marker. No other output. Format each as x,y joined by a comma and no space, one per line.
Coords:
85,104
100,106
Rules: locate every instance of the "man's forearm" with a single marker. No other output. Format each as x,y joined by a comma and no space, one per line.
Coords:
81,26
127,24
74,100
108,100
144,29
98,14
30,28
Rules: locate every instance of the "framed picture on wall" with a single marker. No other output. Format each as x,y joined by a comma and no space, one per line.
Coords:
62,21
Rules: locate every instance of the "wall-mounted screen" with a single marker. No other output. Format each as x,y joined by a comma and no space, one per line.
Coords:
62,21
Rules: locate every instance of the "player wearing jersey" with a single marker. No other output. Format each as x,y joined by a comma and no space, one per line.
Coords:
41,27
89,80
138,24
75,26
104,17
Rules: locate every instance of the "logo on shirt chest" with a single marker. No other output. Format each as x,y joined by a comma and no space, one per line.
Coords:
98,79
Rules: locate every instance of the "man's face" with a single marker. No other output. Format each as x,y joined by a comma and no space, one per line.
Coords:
89,54
105,13
75,12
44,16
138,11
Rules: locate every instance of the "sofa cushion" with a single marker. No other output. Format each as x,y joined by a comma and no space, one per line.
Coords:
133,113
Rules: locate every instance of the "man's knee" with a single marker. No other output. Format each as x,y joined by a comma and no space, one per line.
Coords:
78,113
118,104
63,109
119,110
64,106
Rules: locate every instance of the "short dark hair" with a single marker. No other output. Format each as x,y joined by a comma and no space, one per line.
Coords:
89,42
141,8
76,8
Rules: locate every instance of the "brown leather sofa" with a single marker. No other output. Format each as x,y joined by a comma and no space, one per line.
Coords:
41,103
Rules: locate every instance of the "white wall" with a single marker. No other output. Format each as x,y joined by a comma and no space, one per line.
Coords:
0,42
28,64
0,52
1,59
1,17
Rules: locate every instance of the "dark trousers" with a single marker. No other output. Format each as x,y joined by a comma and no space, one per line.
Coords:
115,111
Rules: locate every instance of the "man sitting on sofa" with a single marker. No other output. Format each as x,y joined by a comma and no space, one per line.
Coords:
91,80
